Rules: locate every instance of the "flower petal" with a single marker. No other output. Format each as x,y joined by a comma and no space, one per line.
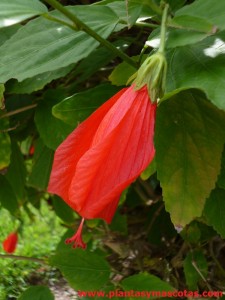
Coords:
72,149
121,150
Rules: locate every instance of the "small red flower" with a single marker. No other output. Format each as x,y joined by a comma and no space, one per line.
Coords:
31,150
10,243
105,154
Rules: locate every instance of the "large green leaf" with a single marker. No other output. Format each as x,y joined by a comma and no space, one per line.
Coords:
50,46
52,130
215,209
146,282
12,12
199,66
7,32
78,107
189,141
210,10
41,168
84,270
37,293
16,173
7,196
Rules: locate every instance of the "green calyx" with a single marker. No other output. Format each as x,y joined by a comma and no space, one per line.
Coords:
153,74
153,71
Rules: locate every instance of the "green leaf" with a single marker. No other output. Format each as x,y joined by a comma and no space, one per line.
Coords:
12,12
121,74
191,233
78,107
189,139
37,82
201,61
17,168
7,32
146,282
41,168
205,9
52,130
181,35
5,149
195,265
151,169
128,12
193,23
78,265
215,209
37,293
174,5
7,196
96,61
50,46
62,210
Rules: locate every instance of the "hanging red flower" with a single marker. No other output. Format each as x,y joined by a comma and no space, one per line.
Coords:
104,155
10,243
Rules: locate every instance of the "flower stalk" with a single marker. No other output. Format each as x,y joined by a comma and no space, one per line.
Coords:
153,71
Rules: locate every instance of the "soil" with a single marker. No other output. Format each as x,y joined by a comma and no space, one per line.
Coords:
62,291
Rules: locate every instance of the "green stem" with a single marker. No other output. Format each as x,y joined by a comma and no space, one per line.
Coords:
79,25
20,257
163,29
144,24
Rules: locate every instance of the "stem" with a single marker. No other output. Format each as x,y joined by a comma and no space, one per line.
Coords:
79,25
144,24
17,111
163,29
201,275
20,257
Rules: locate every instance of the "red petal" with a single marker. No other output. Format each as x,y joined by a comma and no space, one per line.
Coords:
73,148
10,243
121,149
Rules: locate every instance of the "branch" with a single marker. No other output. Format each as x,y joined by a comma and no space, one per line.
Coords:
17,111
20,257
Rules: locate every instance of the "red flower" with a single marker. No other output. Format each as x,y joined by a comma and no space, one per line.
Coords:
31,150
10,243
105,154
